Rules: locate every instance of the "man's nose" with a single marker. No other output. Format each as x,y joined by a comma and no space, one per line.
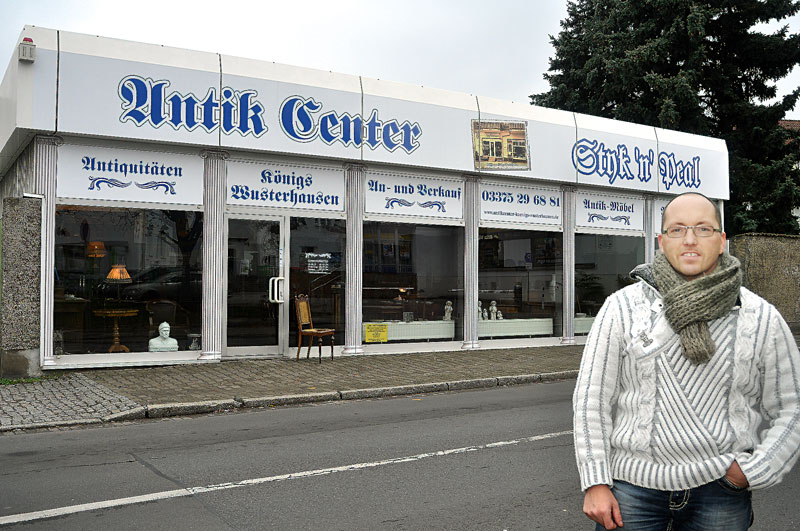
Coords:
690,236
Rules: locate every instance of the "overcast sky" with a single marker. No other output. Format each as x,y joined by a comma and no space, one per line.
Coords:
498,49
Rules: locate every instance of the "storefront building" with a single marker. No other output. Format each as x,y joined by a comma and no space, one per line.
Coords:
143,184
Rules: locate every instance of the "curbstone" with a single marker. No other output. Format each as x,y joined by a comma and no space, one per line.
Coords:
519,379
397,390
357,394
436,387
131,414
285,400
188,408
561,375
52,424
476,383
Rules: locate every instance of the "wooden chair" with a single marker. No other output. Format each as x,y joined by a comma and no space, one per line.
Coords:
305,327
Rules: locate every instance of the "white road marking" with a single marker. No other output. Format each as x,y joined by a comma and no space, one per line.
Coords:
191,491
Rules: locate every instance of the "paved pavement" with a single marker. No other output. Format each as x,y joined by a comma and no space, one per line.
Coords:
107,395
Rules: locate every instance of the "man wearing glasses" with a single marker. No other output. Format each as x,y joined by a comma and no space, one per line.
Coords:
676,373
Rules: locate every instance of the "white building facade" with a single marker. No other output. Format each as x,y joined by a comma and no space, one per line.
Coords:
207,191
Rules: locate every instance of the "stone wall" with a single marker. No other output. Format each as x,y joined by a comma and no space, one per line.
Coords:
19,288
18,176
771,267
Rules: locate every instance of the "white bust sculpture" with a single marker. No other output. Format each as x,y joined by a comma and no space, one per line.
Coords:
499,315
493,310
448,311
162,342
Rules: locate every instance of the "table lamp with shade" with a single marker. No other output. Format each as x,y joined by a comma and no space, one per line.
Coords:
95,249
118,275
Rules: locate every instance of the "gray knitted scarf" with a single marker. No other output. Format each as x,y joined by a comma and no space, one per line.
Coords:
691,304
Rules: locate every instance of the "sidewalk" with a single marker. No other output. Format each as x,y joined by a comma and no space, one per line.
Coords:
106,395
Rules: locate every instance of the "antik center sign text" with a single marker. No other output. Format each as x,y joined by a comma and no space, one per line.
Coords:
147,102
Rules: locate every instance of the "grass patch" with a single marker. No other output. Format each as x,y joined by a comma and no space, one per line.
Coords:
12,381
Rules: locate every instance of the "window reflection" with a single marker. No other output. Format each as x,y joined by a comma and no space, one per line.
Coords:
410,273
317,261
602,266
519,283
253,259
156,259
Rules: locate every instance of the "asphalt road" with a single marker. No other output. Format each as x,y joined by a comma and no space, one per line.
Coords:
484,460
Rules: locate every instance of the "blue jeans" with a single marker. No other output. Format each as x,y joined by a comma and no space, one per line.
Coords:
716,506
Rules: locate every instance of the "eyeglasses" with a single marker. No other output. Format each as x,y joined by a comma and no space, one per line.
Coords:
701,231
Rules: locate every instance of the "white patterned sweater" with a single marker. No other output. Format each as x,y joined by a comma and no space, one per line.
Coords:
644,414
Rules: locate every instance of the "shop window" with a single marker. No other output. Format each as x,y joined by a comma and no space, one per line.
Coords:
517,149
411,273
602,266
317,269
520,286
492,148
120,273
253,260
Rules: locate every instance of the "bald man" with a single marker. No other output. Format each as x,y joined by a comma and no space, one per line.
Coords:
676,372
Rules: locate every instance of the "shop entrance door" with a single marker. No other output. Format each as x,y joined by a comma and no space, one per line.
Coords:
257,308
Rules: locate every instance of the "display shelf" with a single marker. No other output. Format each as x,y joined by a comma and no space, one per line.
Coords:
415,330
515,327
583,324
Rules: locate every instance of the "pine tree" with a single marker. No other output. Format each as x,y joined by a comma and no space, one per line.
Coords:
699,67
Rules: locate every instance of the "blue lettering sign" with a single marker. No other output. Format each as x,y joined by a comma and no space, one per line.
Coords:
92,164
676,172
276,177
299,122
144,101
592,157
296,120
283,198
